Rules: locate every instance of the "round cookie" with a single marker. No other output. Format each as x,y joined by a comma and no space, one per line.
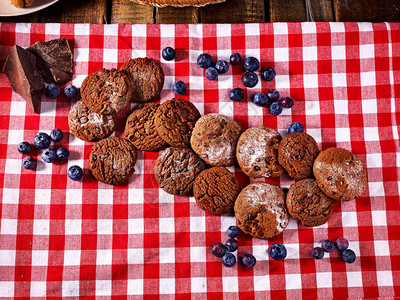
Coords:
176,169
147,78
340,174
296,153
306,203
106,90
140,128
175,120
90,126
215,190
260,210
112,160
214,139
257,152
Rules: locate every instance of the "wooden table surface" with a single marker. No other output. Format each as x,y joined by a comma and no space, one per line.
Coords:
232,11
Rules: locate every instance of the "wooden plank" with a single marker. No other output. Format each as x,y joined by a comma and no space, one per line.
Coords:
175,15
234,11
124,11
287,11
367,11
322,10
76,11
30,18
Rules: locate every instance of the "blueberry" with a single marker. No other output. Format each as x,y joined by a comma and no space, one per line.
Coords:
251,64
348,256
222,66
56,135
236,94
231,245
233,232
268,74
41,140
71,91
24,148
28,162
179,87
317,253
218,249
62,153
277,251
328,245
204,60
235,59
229,260
168,53
342,243
250,79
211,73
52,91
260,99
248,260
49,155
296,127
273,95
75,172
287,102
275,108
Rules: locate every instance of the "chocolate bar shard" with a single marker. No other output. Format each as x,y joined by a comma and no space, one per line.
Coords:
55,60
20,68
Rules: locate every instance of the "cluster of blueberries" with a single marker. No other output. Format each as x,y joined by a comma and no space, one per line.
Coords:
42,141
276,251
53,91
249,79
342,244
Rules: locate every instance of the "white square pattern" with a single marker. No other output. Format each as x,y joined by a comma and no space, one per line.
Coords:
342,134
135,286
367,78
40,257
41,227
105,196
103,287
197,224
104,257
135,226
354,279
8,226
349,219
73,226
369,106
324,280
341,107
310,53
7,258
135,256
261,283
339,79
374,160
198,254
7,288
167,285
310,81
293,281
379,218
381,248
367,51
371,134
198,285
167,225
72,257
38,289
167,255
338,52
110,55
104,226
230,284
384,278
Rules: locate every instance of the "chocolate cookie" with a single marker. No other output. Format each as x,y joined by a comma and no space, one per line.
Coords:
296,153
260,210
215,190
90,126
257,152
306,203
176,169
214,139
112,160
140,128
340,174
175,120
147,78
106,90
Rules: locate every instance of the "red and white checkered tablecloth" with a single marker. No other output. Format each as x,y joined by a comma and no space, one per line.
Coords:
60,238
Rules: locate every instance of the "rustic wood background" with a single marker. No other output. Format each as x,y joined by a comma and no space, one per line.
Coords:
232,11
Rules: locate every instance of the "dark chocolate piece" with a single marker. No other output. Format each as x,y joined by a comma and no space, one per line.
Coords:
56,60
20,68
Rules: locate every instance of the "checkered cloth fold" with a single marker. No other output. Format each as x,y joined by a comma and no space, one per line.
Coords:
64,238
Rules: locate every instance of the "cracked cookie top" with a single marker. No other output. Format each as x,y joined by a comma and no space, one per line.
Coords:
215,190
257,152
147,78
112,160
214,139
260,210
296,153
306,203
175,120
176,169
106,90
340,174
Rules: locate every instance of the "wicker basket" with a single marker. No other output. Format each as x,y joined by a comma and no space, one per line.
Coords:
177,3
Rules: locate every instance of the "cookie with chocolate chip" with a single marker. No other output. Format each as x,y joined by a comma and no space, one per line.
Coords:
257,152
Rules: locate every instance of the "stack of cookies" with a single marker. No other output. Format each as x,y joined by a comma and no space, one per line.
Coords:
93,118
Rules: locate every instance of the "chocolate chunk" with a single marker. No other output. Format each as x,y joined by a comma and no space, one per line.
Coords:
55,61
20,68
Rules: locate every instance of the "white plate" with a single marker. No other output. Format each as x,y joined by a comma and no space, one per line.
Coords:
8,10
